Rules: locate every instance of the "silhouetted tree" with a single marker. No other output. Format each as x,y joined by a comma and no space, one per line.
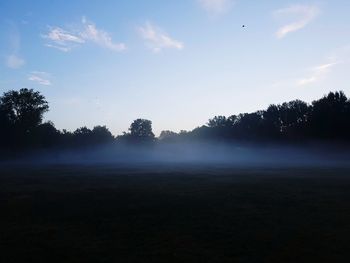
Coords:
84,137
294,116
7,131
272,122
46,135
21,127
248,125
219,121
83,132
21,112
141,129
24,108
81,137
220,127
168,135
330,116
327,118
100,134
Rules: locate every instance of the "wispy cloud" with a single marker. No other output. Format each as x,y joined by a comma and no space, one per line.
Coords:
62,39
335,62
157,40
303,14
100,37
61,36
66,40
317,73
40,77
63,48
14,62
216,7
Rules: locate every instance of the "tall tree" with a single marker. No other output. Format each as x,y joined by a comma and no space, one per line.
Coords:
330,116
24,109
141,129
21,113
167,135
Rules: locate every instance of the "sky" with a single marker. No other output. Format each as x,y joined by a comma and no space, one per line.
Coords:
177,63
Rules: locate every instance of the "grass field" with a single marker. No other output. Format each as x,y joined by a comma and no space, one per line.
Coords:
170,214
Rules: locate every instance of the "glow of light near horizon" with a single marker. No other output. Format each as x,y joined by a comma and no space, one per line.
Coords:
176,63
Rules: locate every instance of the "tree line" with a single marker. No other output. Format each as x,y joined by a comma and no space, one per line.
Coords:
325,119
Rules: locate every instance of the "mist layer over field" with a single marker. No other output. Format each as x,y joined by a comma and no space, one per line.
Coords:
198,154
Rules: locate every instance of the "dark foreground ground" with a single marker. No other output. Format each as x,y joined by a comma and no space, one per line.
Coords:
110,214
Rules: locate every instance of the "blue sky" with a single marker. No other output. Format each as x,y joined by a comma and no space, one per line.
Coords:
176,63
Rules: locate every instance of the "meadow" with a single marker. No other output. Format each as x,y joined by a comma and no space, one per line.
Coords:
108,213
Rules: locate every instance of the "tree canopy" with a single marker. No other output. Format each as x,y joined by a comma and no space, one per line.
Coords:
24,108
328,119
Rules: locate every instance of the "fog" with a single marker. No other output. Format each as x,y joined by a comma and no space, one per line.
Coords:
196,153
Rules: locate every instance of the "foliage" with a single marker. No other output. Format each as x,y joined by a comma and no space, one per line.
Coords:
22,126
140,131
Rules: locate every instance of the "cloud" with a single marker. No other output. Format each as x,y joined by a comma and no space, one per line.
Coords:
14,62
62,39
306,14
216,7
61,48
100,37
317,73
59,35
157,40
40,77
65,40
336,60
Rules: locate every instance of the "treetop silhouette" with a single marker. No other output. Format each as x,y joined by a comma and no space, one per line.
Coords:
22,127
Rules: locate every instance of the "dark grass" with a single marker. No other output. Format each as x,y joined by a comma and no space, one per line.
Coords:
148,214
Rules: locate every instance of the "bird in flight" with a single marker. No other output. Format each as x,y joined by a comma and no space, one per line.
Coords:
244,26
